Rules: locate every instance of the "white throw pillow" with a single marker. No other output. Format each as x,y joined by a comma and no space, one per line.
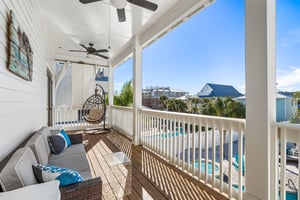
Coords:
44,191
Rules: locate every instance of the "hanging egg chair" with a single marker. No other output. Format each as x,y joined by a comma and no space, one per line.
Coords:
94,108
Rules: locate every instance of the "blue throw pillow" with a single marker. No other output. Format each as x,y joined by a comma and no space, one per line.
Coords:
45,173
66,136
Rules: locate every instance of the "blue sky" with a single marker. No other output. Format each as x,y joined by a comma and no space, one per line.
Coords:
209,48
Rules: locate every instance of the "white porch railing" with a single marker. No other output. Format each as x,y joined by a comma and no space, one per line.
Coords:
209,148
286,155
122,119
70,117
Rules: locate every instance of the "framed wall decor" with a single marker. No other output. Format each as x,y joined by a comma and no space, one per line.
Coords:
19,50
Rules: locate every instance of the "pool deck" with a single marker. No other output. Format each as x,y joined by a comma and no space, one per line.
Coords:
292,174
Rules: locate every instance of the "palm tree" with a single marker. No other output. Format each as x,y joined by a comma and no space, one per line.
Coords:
181,105
171,105
163,100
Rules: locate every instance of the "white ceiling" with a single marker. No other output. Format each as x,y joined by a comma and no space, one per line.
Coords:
71,23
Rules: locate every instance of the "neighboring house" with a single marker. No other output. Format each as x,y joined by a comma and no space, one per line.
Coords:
286,106
217,90
151,95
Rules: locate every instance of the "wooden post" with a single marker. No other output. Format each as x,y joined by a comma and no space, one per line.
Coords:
137,87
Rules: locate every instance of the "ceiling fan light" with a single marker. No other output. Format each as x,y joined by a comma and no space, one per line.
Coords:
119,3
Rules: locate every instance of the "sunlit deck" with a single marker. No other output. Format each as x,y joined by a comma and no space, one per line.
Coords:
152,177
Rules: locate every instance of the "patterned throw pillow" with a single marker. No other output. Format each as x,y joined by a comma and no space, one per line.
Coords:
45,173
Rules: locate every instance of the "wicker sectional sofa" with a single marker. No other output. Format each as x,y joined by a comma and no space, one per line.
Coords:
18,170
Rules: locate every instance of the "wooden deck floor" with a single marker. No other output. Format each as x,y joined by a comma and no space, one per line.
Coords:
152,177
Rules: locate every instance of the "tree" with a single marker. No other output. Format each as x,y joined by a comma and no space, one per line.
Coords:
163,100
225,107
176,105
181,105
195,110
126,96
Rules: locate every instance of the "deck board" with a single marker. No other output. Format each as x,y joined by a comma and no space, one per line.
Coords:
152,177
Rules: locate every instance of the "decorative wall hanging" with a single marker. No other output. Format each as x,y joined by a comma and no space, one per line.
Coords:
20,53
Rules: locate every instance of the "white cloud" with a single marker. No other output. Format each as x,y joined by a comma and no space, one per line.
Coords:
289,80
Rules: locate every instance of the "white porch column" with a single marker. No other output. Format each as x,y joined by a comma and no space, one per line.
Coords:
260,91
61,74
110,93
137,87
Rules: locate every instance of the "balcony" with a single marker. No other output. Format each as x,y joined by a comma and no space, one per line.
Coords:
171,146
181,142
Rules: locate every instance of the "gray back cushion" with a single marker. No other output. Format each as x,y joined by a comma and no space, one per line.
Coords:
18,171
39,148
45,132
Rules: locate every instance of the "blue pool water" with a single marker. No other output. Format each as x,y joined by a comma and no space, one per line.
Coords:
203,167
290,196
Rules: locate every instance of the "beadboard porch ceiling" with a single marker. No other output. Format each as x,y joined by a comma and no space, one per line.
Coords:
70,23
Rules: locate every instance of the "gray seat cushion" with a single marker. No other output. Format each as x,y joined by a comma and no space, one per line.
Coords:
76,162
70,151
38,146
18,171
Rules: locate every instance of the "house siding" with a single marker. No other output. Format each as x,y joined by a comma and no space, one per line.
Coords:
23,104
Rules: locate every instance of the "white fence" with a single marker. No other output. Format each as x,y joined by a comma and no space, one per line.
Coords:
209,148
70,117
122,119
287,141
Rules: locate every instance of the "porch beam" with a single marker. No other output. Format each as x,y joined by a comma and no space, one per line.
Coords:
87,61
260,93
137,87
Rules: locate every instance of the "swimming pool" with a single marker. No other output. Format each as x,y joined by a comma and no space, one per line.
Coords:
209,166
290,196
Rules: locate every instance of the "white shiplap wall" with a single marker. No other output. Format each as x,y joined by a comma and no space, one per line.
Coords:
23,103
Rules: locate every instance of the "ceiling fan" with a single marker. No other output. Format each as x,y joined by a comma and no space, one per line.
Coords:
121,4
91,50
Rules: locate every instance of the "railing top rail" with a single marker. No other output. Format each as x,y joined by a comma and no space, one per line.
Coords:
287,125
174,114
122,108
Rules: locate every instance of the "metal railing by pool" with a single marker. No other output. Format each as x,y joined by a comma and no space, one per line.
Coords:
186,139
287,136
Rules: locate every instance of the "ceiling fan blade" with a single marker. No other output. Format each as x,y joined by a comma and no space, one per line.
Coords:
101,50
121,14
77,51
145,4
88,1
102,56
82,45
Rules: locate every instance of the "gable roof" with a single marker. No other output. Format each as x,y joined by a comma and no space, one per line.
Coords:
217,90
